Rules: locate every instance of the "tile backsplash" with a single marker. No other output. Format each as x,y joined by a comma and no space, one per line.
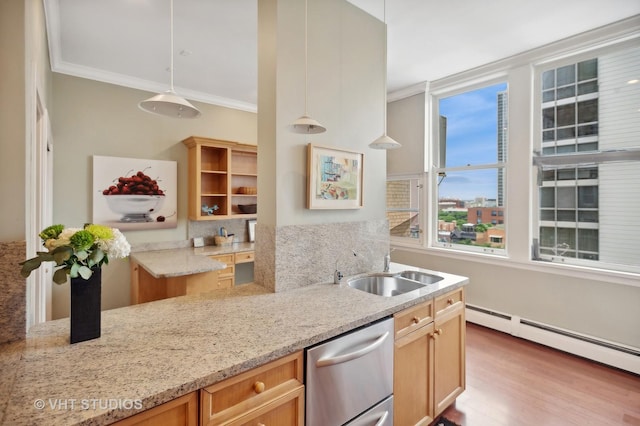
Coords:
295,256
13,292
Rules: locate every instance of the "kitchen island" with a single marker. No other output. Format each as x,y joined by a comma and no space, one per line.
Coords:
154,352
159,274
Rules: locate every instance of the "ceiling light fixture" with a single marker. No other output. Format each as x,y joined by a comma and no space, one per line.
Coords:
384,141
169,103
306,124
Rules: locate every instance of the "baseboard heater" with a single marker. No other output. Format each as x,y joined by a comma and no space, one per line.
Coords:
610,353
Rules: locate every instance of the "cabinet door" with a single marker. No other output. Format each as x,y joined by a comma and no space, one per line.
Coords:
181,411
449,358
412,378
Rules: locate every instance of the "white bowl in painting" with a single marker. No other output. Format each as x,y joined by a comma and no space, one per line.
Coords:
135,208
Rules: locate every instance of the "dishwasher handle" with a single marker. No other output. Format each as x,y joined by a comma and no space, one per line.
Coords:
383,418
324,362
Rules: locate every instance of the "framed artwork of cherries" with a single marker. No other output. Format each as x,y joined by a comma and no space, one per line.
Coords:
134,194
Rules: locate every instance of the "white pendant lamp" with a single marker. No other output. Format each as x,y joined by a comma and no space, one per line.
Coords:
306,124
169,103
384,141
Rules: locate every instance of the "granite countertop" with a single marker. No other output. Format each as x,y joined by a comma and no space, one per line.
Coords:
185,261
154,352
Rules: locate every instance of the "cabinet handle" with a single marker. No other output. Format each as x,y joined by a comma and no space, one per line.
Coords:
449,301
433,336
438,332
258,387
416,320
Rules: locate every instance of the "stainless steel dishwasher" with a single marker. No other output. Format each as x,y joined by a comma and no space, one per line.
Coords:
350,378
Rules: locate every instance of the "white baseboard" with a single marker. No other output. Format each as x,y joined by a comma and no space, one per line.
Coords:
602,353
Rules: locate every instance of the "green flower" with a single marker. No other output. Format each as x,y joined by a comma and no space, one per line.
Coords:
52,232
100,232
82,240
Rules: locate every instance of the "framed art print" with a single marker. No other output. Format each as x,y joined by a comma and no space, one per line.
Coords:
334,178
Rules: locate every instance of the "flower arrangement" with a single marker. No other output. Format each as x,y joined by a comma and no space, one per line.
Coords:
77,251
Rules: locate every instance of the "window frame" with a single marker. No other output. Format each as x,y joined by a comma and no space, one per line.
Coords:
436,93
518,71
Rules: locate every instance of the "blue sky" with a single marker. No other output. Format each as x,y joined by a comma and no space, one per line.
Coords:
471,139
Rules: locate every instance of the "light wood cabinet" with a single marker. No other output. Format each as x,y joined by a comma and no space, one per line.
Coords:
412,375
272,394
226,276
221,173
449,351
182,411
429,358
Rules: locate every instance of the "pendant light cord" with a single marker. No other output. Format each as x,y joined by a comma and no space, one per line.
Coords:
384,64
171,65
306,63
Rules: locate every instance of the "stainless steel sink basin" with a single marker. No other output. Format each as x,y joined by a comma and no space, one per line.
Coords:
421,277
384,285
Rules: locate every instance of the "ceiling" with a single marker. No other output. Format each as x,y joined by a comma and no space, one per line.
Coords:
126,42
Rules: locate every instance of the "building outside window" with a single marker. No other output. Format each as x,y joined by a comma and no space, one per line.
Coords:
403,208
470,176
587,160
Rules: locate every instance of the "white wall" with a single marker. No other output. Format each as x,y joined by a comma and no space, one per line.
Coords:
406,124
345,78
92,118
12,120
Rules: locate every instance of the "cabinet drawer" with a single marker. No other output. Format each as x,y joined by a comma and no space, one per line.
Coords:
182,411
244,257
286,410
413,318
227,259
448,302
225,282
225,401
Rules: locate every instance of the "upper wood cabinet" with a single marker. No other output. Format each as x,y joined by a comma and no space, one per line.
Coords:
222,174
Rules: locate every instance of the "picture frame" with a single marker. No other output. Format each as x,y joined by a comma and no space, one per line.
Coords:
149,203
251,226
334,178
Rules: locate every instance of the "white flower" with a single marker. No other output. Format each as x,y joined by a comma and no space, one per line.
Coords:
117,247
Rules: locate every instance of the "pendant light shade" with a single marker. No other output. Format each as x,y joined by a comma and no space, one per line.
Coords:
384,141
306,124
169,104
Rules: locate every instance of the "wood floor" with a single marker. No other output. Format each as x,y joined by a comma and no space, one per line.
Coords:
514,382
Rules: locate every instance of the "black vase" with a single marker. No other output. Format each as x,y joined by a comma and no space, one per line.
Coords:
86,307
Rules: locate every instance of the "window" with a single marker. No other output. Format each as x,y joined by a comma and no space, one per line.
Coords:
587,154
472,137
403,208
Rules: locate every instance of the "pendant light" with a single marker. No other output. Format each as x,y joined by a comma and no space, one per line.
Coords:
169,103
306,124
384,141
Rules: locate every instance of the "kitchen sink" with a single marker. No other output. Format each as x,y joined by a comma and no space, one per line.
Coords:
384,285
421,277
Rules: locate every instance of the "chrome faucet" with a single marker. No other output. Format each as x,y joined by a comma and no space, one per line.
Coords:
337,275
387,260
